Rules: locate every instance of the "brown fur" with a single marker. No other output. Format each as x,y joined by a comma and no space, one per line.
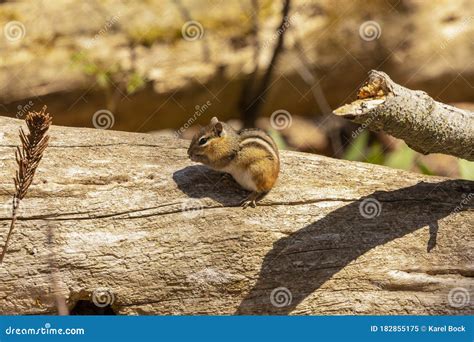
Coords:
262,166
226,149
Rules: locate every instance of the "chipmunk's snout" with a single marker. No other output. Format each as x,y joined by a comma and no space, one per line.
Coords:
191,154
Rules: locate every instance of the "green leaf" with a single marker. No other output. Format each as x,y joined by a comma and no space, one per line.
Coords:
102,79
278,138
135,83
376,155
90,68
78,57
466,169
402,158
357,147
424,169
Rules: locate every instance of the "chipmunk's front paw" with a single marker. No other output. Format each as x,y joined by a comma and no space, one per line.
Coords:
246,202
251,200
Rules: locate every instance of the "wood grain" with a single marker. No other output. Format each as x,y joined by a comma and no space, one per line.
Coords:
115,203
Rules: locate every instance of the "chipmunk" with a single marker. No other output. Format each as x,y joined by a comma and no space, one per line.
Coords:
249,155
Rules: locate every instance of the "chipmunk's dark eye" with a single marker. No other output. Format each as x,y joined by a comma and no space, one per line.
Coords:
203,140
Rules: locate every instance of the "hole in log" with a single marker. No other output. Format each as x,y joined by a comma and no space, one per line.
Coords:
87,307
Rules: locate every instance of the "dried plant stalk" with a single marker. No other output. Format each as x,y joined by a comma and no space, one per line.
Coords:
28,157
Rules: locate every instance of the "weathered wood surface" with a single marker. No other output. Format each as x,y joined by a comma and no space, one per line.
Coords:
114,202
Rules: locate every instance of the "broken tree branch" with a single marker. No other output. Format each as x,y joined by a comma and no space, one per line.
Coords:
427,126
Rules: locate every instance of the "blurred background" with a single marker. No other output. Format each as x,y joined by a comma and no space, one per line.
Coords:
167,66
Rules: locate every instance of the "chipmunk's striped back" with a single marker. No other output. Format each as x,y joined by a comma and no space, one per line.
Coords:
257,163
261,139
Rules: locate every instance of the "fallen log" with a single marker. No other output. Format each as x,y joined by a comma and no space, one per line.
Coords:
427,126
136,228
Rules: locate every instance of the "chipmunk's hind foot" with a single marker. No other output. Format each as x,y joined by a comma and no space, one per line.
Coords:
252,199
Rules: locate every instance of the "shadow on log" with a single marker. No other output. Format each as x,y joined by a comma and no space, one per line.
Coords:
328,244
196,182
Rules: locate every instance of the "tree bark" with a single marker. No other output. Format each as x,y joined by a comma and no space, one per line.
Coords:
427,126
333,237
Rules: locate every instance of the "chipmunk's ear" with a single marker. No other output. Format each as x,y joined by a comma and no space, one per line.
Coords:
219,129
